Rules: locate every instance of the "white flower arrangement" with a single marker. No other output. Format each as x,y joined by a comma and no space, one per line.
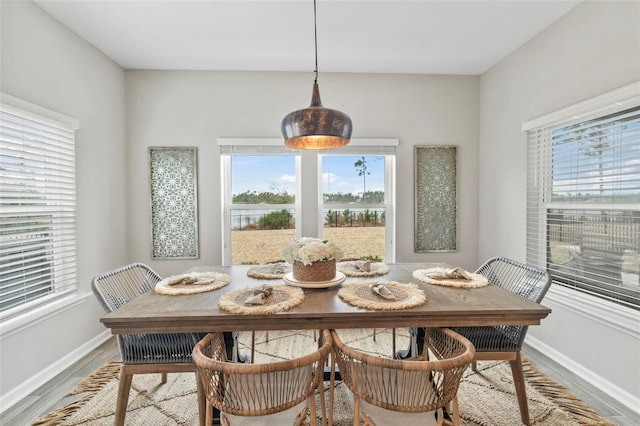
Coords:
309,250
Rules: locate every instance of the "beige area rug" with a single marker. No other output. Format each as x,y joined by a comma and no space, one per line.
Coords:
486,398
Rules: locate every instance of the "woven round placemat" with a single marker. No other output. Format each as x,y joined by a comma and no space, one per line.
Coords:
272,271
476,280
350,269
220,280
362,296
282,298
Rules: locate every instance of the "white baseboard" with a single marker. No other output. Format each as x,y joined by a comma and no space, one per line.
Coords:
15,395
621,395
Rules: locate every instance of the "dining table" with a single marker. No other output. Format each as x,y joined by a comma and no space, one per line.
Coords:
323,308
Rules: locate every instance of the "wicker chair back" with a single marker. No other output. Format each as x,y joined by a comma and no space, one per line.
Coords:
142,353
525,280
505,342
419,385
250,390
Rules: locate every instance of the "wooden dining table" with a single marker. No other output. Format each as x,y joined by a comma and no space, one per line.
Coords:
322,308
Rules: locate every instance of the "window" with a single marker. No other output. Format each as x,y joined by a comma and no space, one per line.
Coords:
259,189
357,200
583,208
264,187
38,256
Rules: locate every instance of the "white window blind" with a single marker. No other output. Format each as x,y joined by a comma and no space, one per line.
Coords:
38,253
267,146
583,205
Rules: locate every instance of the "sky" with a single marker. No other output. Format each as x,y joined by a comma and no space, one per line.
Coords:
277,174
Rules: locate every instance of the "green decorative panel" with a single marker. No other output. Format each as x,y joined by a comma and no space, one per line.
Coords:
436,199
174,202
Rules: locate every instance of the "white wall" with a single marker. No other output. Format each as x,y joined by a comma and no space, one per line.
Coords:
588,52
45,63
176,108
593,49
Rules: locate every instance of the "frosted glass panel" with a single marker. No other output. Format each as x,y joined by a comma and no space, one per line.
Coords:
436,202
174,212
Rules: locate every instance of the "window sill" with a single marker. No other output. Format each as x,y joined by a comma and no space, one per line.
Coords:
28,319
617,317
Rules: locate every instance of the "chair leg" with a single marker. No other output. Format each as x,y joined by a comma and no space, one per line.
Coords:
302,417
312,410
456,411
123,395
202,401
453,410
474,366
374,334
393,343
332,379
323,404
209,415
253,347
163,380
521,392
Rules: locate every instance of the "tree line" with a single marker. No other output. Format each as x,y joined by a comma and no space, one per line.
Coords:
283,197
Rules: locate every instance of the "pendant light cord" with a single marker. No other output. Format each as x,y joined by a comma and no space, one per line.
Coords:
315,35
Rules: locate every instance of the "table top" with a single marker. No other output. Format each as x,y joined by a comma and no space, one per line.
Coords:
322,308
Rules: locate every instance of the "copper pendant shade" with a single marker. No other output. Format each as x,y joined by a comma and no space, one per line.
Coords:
316,127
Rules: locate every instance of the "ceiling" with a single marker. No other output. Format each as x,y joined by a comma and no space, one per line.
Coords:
393,36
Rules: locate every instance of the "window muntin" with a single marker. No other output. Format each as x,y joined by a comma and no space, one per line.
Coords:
38,253
583,212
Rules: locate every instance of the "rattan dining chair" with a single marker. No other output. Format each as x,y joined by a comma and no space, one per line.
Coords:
143,353
272,393
505,342
389,391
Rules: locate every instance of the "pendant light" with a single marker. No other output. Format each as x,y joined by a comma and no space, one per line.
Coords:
316,127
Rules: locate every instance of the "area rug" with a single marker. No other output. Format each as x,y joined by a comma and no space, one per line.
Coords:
486,398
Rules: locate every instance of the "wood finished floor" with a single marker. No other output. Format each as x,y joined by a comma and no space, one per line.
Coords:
53,393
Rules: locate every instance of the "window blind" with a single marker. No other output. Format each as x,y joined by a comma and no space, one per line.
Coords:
583,201
274,146
38,252
362,150
256,150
